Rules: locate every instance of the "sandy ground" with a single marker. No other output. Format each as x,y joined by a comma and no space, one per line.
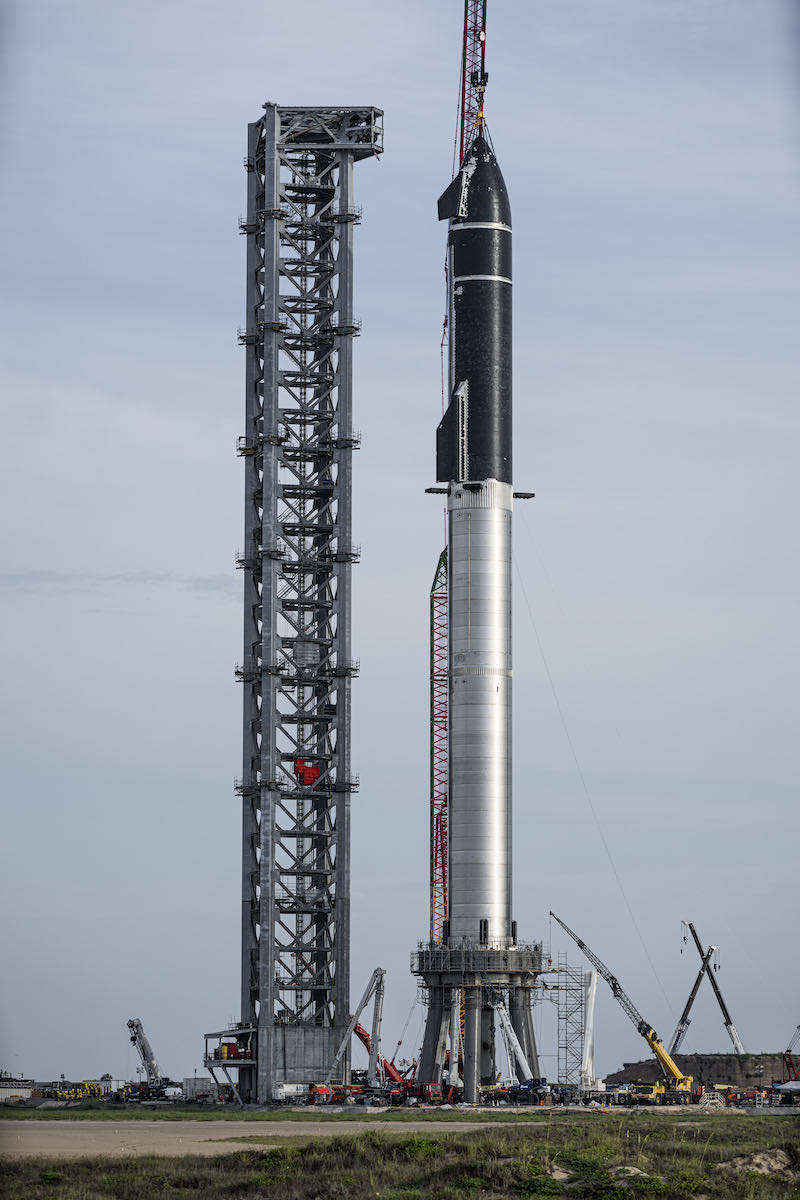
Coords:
123,1139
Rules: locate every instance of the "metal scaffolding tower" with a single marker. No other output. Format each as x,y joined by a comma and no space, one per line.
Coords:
571,1008
297,449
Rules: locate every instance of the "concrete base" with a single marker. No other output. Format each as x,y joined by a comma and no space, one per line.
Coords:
289,1054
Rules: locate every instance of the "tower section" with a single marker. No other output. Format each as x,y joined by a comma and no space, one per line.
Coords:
297,560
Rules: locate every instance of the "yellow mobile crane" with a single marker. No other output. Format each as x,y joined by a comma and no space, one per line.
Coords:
678,1087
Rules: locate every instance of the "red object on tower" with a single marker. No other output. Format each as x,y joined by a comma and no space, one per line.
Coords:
473,72
439,752
305,772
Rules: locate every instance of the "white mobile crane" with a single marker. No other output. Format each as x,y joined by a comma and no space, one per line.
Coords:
375,1071
705,969
159,1087
678,1087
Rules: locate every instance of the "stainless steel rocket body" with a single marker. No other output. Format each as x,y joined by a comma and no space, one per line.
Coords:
474,458
479,815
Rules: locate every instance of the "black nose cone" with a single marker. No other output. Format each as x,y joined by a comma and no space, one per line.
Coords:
478,192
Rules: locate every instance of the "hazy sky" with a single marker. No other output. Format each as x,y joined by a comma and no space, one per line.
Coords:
652,154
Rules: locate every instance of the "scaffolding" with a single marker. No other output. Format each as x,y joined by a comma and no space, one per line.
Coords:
297,558
571,1022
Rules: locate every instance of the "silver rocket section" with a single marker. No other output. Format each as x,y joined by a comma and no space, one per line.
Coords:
479,816
474,456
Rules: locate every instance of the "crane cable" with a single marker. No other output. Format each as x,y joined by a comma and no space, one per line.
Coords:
414,1003
586,791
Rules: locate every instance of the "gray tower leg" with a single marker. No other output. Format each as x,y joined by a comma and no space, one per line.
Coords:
522,1021
472,1039
488,1065
433,1047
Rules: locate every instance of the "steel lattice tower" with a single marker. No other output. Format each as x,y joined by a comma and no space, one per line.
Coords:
296,779
439,754
571,1021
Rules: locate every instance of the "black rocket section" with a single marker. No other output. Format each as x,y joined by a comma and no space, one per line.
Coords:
473,440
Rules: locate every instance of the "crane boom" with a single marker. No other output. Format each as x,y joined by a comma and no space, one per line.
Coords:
684,1022
390,1070
473,73
373,988
726,1016
139,1039
620,995
789,1064
669,1068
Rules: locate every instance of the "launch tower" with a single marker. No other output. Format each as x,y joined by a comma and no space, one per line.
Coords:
297,557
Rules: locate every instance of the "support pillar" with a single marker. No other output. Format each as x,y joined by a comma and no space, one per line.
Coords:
434,1044
488,1057
472,1038
522,1022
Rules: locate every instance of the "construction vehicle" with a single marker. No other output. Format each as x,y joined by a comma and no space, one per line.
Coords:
390,1071
376,1060
156,1085
677,1088
382,1078
705,969
79,1091
790,1067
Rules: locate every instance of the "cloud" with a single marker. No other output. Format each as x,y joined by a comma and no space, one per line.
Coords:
80,581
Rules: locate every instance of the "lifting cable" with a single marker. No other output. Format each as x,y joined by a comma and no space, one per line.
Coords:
405,1027
586,791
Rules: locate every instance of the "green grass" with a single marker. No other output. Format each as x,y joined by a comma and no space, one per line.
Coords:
609,1156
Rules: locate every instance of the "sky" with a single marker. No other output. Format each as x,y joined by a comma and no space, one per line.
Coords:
652,155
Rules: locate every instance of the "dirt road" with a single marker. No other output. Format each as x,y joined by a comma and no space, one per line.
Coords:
123,1139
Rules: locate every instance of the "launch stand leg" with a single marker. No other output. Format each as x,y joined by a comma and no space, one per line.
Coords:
435,1040
472,1043
522,1021
488,1057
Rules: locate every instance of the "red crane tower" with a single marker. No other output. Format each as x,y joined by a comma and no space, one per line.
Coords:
471,119
473,73
439,749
